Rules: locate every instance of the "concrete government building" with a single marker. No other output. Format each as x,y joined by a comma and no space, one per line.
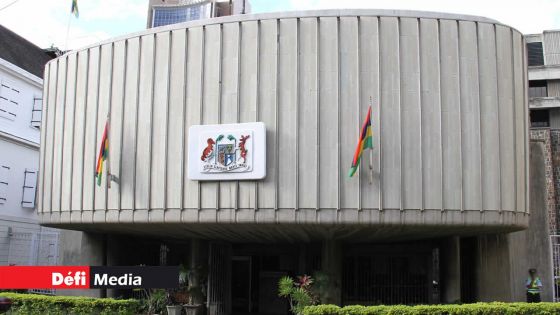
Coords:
438,212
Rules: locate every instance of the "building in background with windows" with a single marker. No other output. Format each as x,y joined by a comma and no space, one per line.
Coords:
22,240
543,61
165,12
544,78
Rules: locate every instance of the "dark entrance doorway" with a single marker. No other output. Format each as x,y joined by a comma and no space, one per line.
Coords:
468,269
241,284
389,274
256,270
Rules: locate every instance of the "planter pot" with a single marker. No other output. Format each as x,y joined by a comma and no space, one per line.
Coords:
174,309
181,298
194,309
5,304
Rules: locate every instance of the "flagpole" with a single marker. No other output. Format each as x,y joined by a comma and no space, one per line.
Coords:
108,177
371,151
68,31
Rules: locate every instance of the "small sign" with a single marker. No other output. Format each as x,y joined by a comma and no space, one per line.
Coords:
227,152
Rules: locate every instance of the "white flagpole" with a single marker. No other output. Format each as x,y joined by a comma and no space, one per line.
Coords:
68,32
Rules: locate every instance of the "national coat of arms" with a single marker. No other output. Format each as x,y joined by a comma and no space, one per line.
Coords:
228,152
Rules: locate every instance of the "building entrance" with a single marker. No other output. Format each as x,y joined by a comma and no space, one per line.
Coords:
241,295
369,274
390,274
256,270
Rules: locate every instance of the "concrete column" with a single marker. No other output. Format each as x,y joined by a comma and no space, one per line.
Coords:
198,262
82,249
113,257
451,270
493,268
332,266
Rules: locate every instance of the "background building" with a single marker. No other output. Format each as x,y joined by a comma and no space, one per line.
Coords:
435,214
544,103
165,12
22,240
544,78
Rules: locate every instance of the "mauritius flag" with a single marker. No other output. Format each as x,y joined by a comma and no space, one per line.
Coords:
364,142
74,9
103,154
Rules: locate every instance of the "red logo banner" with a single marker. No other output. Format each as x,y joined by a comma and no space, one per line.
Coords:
44,277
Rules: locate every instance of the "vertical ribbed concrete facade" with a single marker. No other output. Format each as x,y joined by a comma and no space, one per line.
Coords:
449,119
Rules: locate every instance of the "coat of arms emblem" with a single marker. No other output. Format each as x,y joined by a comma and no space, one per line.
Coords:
227,152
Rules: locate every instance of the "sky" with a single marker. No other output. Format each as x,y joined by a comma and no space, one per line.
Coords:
49,22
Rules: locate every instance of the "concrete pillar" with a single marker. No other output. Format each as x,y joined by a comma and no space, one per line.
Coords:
198,263
332,266
113,258
194,261
493,268
450,279
82,249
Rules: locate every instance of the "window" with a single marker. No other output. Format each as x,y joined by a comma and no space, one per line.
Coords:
179,14
29,188
9,100
539,118
37,112
4,172
535,54
537,88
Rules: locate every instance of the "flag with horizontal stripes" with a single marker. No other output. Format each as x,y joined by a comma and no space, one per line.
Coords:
364,142
103,153
74,9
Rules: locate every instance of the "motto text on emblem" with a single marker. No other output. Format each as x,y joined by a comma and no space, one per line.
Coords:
226,152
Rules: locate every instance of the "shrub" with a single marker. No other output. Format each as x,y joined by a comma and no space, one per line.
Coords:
63,305
153,301
495,308
298,293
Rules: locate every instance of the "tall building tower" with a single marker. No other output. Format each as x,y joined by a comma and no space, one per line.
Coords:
165,12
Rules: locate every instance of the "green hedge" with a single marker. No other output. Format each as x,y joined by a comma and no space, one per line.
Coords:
63,305
495,308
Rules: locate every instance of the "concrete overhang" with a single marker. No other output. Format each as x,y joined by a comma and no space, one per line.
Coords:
544,102
391,225
544,72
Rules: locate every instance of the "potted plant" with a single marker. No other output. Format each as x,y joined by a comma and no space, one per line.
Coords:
153,301
173,308
179,296
194,281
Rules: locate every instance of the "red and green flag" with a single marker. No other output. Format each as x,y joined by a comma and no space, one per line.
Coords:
103,154
364,142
